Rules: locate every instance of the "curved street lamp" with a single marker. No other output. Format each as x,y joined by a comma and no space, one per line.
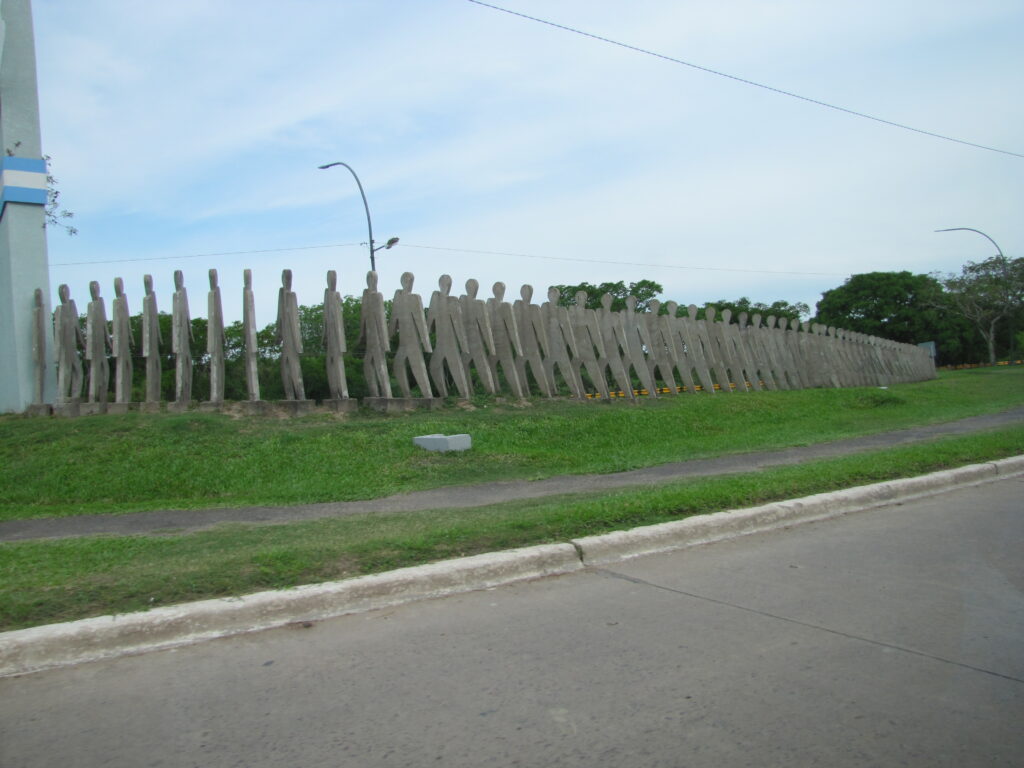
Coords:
369,225
971,229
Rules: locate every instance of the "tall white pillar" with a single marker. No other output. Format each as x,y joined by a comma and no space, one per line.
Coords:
23,262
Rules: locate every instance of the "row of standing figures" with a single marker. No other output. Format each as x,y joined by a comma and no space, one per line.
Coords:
505,343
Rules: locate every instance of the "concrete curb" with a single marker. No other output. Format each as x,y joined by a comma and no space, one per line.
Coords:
38,648
665,537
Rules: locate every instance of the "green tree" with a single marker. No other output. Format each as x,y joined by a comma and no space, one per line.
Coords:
643,290
988,294
896,305
780,308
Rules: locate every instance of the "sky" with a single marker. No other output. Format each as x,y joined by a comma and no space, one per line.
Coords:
187,135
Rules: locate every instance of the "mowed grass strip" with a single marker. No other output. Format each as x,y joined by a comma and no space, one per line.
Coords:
48,581
138,462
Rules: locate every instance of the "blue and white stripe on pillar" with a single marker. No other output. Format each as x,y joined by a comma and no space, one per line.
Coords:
22,180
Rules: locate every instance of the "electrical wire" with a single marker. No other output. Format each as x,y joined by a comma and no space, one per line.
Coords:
743,80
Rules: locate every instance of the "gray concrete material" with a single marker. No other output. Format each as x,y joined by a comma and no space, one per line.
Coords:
23,258
444,443
888,638
702,529
105,637
488,493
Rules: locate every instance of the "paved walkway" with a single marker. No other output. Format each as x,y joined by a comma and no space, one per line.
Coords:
165,521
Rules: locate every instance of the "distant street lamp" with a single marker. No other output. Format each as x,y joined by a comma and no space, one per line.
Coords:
971,229
369,226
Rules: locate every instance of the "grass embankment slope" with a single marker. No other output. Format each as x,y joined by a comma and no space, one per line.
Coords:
159,462
136,462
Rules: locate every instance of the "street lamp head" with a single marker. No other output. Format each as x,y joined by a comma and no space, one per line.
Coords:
391,243
329,165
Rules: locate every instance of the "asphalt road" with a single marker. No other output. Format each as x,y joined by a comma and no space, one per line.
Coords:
888,637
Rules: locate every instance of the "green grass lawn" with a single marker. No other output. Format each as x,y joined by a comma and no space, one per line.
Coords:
48,581
136,462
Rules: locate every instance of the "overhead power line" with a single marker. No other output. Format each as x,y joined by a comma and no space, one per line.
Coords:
743,80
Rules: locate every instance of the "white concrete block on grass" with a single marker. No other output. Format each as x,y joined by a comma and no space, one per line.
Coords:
444,442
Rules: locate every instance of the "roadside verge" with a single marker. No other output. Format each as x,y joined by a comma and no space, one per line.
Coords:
38,648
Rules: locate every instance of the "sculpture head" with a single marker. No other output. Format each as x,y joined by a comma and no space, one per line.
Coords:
332,280
654,306
672,308
499,291
554,295
445,284
709,314
247,279
37,298
691,310
756,320
472,286
118,287
286,279
179,280
631,303
581,299
371,280
213,279
527,293
64,293
147,281
407,280
606,301
94,290
726,315
742,319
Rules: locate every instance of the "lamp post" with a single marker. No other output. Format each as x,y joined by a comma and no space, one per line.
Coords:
971,229
369,225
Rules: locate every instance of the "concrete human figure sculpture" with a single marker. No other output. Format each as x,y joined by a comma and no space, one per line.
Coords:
373,329
97,345
181,342
123,341
712,354
289,335
215,339
68,339
737,352
334,339
479,336
614,337
679,351
589,344
409,322
38,346
251,344
444,318
534,338
757,347
637,340
661,359
506,341
562,347
151,341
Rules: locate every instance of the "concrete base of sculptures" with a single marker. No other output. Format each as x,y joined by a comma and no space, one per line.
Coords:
342,405
403,404
295,407
92,409
212,406
121,408
180,406
254,407
37,409
150,407
70,409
